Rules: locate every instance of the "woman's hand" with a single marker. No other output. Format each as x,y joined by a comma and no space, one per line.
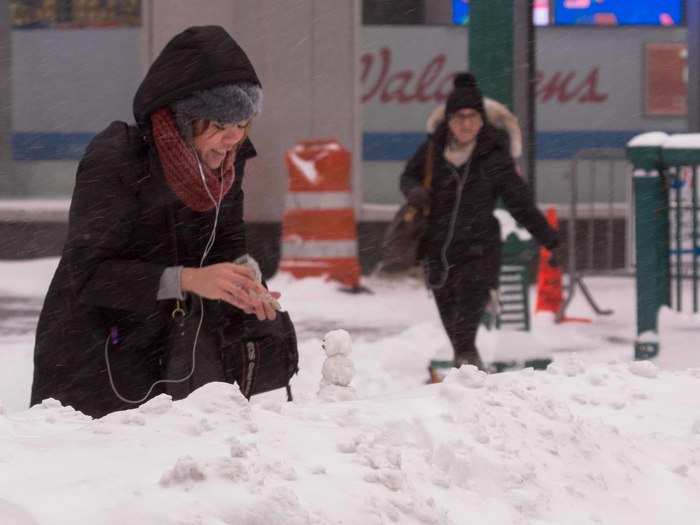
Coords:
233,283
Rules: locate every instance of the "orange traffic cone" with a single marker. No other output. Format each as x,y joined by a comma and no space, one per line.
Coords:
549,278
319,234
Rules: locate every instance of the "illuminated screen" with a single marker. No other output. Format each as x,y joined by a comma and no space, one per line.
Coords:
460,12
618,12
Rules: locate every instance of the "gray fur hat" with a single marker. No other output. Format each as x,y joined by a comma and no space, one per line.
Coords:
225,104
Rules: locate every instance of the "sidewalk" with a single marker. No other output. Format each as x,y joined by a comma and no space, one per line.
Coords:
19,315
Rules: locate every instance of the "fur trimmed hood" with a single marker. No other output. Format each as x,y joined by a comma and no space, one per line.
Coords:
497,114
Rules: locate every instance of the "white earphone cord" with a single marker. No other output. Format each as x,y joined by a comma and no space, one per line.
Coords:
207,249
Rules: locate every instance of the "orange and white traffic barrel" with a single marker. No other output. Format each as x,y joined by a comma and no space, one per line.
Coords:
319,233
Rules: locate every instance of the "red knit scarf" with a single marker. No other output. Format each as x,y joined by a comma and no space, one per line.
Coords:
180,167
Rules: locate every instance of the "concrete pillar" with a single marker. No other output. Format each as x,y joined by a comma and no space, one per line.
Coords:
5,90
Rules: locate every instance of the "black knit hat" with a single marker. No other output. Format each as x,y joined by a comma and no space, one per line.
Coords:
466,94
228,104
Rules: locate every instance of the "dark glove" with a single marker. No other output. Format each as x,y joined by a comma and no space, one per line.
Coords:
553,260
554,253
419,197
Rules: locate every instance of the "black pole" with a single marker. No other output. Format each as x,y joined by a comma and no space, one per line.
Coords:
531,147
5,93
524,76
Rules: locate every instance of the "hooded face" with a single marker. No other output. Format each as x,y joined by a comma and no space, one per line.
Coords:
200,59
465,125
213,141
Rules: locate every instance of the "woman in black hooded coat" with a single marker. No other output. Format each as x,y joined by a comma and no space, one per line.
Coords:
461,250
146,200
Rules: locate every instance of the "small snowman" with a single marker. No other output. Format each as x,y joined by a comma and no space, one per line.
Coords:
338,369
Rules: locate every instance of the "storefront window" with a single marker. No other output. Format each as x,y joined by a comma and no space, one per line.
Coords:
31,14
73,67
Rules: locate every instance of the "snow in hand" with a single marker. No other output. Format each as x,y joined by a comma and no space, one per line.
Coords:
603,440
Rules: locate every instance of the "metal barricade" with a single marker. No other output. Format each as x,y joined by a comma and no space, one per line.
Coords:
598,202
684,249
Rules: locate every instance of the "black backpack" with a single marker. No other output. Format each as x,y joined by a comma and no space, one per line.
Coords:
266,356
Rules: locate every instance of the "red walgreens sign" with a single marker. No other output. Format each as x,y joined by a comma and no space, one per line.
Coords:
432,82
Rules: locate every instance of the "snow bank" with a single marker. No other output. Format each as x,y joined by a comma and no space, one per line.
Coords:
597,445
596,438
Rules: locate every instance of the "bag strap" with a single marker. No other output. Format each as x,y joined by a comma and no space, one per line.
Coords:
428,168
410,213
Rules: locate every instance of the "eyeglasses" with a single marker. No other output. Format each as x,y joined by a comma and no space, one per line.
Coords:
465,117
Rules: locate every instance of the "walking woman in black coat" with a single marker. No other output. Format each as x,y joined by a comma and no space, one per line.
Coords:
461,251
156,223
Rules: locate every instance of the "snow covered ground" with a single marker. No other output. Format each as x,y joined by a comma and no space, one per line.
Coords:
597,438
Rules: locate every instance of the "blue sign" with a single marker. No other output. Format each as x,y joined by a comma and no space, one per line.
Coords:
460,12
618,12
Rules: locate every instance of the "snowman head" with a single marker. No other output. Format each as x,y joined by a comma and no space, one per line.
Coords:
337,342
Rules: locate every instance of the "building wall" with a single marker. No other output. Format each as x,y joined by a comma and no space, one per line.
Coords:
66,86
438,12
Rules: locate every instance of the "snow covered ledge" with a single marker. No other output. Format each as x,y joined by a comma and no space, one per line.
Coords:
644,151
34,210
682,141
653,139
682,149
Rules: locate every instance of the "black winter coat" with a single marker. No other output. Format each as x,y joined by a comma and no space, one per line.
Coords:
125,227
469,194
